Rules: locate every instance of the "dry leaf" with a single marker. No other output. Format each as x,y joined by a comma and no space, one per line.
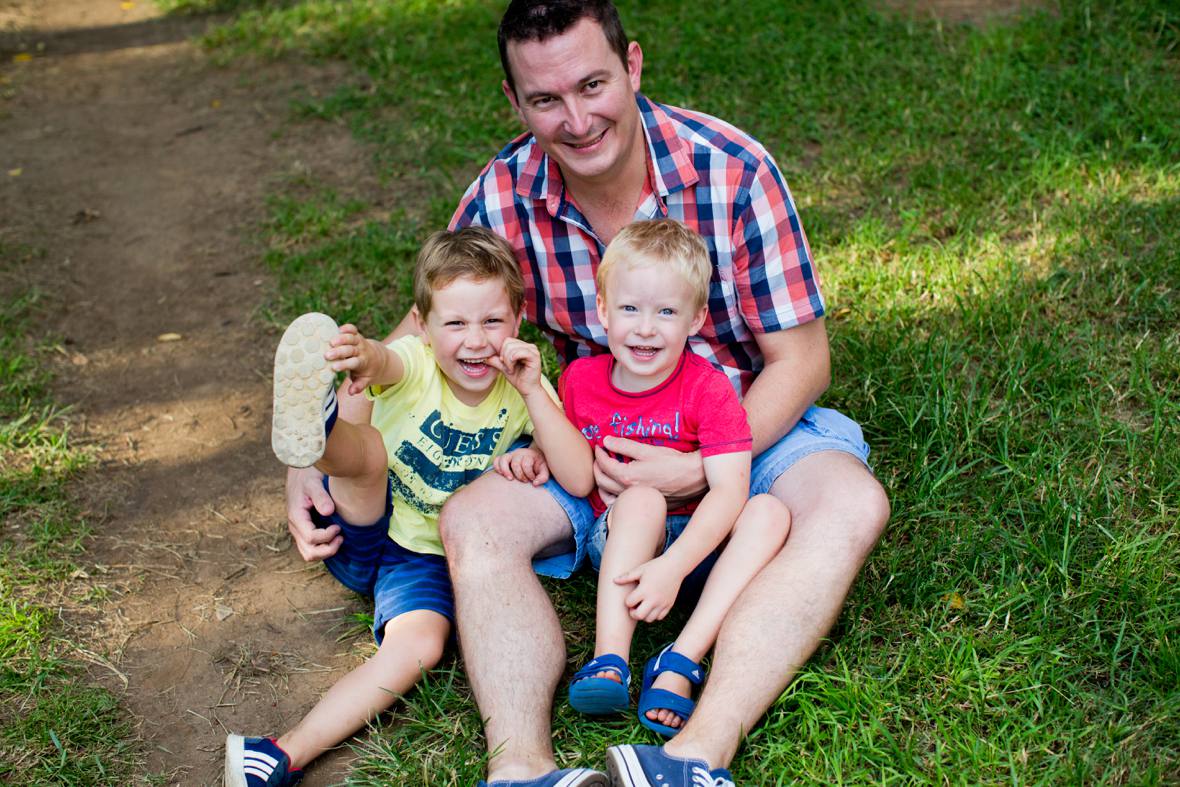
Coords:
127,5
86,215
22,57
223,612
15,173
955,600
169,337
215,103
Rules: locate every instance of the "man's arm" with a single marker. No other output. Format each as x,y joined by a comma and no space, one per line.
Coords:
305,486
797,372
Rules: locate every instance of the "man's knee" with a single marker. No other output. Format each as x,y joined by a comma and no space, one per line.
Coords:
494,522
837,495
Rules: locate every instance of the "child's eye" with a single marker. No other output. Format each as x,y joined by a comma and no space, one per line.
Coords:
492,321
667,312
627,308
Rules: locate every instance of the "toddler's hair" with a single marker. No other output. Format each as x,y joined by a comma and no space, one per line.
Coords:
474,252
660,242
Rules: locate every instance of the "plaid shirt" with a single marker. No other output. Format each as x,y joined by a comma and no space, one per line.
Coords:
703,172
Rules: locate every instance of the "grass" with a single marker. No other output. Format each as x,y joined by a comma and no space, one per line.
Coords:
56,727
996,216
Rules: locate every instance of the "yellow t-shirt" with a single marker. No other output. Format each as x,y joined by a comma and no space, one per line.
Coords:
436,443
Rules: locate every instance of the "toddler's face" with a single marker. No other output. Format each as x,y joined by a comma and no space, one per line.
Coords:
648,311
468,322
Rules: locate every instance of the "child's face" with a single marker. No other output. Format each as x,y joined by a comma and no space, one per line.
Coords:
468,322
648,311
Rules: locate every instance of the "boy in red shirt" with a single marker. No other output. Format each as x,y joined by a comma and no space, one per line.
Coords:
653,284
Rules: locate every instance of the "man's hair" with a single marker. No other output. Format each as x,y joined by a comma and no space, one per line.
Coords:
472,252
660,242
538,20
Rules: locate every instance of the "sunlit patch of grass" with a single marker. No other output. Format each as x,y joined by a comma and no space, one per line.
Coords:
995,215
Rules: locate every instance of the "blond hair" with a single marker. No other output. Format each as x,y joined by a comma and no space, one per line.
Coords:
660,242
472,252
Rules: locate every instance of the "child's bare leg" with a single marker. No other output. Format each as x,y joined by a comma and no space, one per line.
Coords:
356,465
413,642
636,535
758,535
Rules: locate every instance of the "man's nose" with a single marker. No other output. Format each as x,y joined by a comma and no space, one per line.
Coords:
577,118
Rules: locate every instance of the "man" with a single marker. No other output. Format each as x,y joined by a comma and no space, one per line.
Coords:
598,155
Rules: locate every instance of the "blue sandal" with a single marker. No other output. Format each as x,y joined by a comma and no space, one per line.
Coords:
599,696
667,660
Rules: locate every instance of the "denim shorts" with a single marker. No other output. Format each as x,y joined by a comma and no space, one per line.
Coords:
819,429
398,580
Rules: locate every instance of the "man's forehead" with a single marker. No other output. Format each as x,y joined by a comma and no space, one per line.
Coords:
572,56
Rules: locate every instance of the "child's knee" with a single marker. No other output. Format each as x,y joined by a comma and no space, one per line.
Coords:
642,500
766,516
420,635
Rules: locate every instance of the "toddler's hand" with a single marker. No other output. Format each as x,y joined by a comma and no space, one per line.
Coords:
350,352
657,582
520,363
523,464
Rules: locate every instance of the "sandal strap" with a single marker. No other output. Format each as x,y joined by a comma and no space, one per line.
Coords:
669,660
607,662
662,699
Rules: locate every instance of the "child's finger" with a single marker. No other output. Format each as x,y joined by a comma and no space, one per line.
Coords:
542,474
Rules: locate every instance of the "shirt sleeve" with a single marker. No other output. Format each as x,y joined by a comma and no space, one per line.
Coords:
722,426
777,284
409,349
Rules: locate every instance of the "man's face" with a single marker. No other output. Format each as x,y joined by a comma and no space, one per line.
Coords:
578,100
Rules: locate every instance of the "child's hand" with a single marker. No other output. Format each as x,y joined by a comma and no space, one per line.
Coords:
656,584
523,464
350,352
520,363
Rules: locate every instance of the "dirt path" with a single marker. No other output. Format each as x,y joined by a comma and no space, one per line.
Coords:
140,169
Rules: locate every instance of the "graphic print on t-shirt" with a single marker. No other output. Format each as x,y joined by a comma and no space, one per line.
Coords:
442,458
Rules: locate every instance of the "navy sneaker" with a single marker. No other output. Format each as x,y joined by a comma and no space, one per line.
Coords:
649,766
570,777
257,762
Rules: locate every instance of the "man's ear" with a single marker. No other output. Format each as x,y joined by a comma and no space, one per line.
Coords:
634,64
510,94
421,323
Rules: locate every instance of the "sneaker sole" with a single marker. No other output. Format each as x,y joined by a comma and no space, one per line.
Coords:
235,761
624,771
301,379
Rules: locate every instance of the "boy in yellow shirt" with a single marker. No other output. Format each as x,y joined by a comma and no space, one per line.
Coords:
446,402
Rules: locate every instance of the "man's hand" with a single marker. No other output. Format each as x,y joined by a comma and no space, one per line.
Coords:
350,352
523,464
520,363
656,584
305,488
678,476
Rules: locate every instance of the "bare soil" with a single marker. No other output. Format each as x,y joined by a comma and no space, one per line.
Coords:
141,169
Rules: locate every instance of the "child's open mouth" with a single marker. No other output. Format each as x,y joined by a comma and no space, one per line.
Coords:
474,367
643,352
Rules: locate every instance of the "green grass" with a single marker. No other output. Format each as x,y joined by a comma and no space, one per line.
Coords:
996,217
55,726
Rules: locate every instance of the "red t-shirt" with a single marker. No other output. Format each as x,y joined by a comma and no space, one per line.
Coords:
695,408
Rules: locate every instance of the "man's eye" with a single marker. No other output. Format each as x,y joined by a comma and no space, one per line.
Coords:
594,84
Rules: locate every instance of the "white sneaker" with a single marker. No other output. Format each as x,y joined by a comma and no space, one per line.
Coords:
304,392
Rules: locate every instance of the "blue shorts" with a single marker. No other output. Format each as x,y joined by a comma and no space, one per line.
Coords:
398,580
819,429
690,588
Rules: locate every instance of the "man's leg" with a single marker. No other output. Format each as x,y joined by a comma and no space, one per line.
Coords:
838,512
509,634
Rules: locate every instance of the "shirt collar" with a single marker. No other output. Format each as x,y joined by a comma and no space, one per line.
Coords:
669,161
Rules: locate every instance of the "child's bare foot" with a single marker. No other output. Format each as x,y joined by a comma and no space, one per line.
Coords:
600,687
670,681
